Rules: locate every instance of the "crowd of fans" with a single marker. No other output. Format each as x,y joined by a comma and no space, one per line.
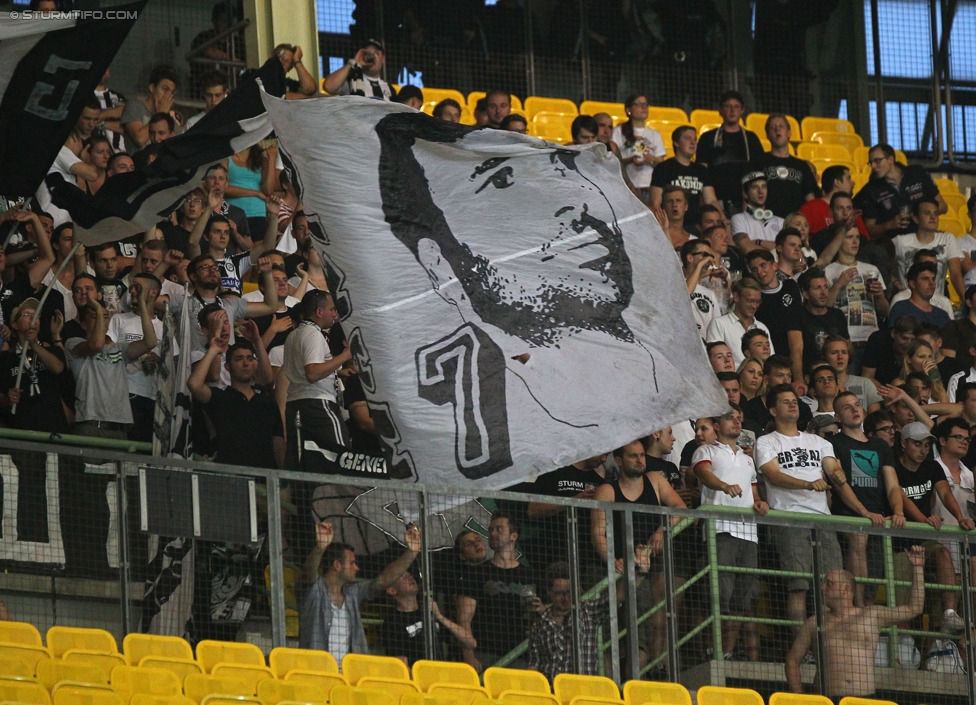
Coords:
849,373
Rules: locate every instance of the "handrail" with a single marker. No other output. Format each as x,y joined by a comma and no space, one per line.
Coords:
75,440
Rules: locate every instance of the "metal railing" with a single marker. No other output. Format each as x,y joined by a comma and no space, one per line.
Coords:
60,580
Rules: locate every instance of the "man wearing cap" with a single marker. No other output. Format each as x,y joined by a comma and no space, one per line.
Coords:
756,226
727,150
921,479
362,75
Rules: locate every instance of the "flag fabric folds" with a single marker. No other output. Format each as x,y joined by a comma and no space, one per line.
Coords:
510,306
131,203
48,69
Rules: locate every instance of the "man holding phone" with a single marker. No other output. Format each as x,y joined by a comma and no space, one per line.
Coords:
361,74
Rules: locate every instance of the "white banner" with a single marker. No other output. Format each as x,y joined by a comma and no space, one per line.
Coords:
511,307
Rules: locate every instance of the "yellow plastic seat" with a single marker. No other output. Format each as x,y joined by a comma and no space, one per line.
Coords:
272,691
397,687
616,111
129,680
427,699
20,633
844,139
197,686
322,680
945,186
524,697
955,201
809,125
475,96
901,157
641,692
426,673
821,164
356,666
466,694
756,122
830,152
351,695
567,686
12,668
702,118
717,695
952,225
211,652
106,662
180,667
27,655
24,691
433,96
799,699
251,675
136,647
80,695
666,114
150,699
219,699
860,156
561,106
53,671
851,700
553,127
60,639
285,658
498,680
587,700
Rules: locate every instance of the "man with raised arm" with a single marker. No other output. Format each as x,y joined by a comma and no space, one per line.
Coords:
851,633
329,617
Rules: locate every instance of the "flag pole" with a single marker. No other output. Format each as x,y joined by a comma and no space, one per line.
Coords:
40,306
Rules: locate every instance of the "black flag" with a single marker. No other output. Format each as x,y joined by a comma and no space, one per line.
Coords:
48,69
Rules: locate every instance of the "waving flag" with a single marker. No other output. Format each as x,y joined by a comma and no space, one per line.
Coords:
131,203
511,307
48,69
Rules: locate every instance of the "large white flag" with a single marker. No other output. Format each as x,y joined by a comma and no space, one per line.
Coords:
511,307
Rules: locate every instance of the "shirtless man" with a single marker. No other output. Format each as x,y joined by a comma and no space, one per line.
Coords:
851,633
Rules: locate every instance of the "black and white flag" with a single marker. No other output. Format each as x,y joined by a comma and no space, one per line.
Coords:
132,203
48,69
511,307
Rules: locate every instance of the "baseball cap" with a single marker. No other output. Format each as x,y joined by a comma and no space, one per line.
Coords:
24,305
821,421
916,431
375,43
751,176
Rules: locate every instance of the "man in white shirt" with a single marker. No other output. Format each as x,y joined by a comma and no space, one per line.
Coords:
728,478
796,467
746,297
927,237
756,226
312,404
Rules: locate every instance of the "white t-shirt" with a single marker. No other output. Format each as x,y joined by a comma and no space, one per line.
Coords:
967,245
730,330
646,139
854,299
306,345
734,467
799,456
125,328
62,165
945,246
705,307
756,229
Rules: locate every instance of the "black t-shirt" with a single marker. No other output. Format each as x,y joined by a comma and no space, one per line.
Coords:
919,484
788,179
734,262
402,634
40,398
264,322
881,200
862,462
727,155
780,312
755,411
245,429
499,622
692,178
175,236
816,328
879,353
670,471
362,441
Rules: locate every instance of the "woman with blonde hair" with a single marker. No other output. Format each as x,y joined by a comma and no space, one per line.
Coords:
750,379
